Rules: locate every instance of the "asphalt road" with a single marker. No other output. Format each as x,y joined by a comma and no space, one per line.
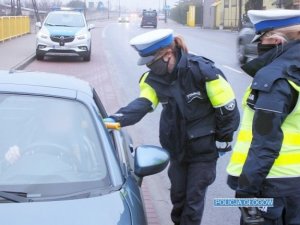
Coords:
114,74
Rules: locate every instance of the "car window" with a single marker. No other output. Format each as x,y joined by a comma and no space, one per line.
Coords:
56,142
149,14
67,19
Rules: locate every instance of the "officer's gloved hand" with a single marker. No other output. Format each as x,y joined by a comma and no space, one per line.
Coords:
250,215
110,123
108,120
223,147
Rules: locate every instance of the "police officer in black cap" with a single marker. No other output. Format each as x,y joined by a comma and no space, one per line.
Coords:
198,119
265,161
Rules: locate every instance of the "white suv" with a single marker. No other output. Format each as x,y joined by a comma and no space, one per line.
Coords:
64,32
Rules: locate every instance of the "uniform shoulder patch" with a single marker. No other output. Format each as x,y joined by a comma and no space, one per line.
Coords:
230,106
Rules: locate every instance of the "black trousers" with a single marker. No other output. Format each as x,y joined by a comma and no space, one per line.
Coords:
189,182
286,211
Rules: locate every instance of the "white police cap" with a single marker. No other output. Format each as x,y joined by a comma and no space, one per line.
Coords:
266,20
147,44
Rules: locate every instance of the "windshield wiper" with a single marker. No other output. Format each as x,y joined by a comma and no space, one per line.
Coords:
50,24
15,196
61,25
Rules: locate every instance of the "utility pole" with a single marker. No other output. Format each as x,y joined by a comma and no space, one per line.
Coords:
240,14
19,10
12,8
108,9
165,8
119,8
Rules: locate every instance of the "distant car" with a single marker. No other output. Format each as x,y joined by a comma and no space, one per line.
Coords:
161,16
246,50
70,169
149,18
64,32
123,19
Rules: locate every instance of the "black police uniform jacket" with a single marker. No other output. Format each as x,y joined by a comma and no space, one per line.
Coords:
189,124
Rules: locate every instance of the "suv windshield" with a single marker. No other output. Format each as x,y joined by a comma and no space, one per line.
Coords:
149,13
65,19
46,140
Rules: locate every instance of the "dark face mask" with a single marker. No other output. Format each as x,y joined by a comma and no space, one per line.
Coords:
263,48
159,67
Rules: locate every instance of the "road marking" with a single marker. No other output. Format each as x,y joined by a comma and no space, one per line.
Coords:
230,68
104,31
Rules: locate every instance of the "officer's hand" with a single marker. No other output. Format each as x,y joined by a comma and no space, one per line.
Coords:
109,120
241,194
110,123
223,147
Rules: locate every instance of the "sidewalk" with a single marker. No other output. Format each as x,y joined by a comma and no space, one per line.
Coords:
17,52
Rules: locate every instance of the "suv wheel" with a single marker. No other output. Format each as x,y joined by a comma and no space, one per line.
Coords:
39,57
87,57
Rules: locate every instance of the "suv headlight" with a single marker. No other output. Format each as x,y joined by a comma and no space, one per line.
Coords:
43,35
81,36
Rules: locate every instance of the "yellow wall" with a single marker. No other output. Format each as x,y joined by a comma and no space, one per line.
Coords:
231,16
219,9
13,26
191,16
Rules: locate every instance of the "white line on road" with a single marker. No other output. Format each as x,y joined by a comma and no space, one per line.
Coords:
230,68
104,31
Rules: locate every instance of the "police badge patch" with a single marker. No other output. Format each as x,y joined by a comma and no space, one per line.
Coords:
230,106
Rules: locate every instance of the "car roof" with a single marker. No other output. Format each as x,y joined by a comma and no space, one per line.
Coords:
65,12
43,83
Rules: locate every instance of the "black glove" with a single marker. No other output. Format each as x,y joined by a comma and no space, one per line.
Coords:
223,147
241,194
250,215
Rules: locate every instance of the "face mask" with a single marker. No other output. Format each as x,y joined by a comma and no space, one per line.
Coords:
263,48
159,67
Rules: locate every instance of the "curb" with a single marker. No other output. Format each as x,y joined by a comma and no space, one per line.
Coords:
22,65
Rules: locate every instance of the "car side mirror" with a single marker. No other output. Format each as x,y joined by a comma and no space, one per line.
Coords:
150,160
38,24
91,26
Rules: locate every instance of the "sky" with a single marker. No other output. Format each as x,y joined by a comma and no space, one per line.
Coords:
130,5
139,4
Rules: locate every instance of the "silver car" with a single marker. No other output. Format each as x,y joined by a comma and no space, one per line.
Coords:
246,50
61,161
64,32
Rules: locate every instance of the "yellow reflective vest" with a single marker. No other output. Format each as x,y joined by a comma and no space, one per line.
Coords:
288,162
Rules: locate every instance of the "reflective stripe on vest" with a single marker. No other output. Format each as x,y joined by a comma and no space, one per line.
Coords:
219,92
288,162
146,91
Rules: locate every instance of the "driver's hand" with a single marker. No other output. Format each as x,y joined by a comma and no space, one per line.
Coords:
13,154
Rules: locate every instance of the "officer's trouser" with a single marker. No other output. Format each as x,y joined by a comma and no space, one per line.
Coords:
189,183
286,211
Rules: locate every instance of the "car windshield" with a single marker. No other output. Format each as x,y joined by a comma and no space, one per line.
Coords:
149,14
46,140
66,20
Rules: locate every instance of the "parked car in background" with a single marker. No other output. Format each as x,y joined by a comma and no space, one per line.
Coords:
246,50
149,18
59,159
161,16
123,19
64,32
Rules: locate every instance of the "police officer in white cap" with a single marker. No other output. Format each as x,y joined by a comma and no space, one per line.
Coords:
199,108
265,161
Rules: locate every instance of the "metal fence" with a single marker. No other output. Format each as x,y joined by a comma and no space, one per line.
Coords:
13,26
